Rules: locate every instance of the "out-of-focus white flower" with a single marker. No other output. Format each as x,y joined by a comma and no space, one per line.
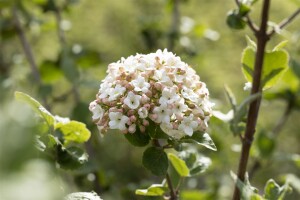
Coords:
96,110
140,84
169,96
63,120
143,112
247,86
179,107
117,120
163,113
115,92
188,125
132,100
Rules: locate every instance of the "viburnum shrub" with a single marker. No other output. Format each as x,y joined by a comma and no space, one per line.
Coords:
156,97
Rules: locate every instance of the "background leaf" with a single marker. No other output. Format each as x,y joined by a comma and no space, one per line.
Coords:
155,160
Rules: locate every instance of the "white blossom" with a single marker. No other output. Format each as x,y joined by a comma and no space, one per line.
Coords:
143,112
96,109
117,120
132,100
140,84
163,113
169,96
188,125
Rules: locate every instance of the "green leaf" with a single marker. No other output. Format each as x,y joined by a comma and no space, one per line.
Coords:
138,138
280,46
71,158
37,107
251,43
195,162
153,190
231,97
155,160
275,63
179,165
274,192
247,191
241,111
73,131
244,9
201,139
68,66
265,144
155,131
235,20
83,196
194,195
50,71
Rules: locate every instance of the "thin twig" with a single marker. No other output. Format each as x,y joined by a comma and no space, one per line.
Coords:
285,22
262,39
173,195
26,47
173,34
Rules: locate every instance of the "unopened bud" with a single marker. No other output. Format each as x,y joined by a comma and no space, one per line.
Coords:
145,122
132,128
142,128
132,118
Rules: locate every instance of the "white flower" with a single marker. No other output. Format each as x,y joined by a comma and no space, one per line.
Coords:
162,76
169,96
97,110
140,84
247,86
168,129
63,120
163,113
188,125
132,100
179,107
189,94
117,120
143,112
114,93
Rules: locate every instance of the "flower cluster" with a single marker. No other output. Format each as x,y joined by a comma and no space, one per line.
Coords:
157,87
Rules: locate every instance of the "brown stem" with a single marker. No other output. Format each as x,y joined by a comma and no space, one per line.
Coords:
26,47
174,26
285,22
262,39
173,193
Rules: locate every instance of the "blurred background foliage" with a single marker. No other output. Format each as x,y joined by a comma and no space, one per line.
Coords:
58,51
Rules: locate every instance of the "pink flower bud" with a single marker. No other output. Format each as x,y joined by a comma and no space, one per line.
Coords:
113,109
175,125
128,86
133,118
130,112
147,106
179,117
105,101
129,122
144,99
142,128
158,86
132,128
153,116
149,94
170,106
145,122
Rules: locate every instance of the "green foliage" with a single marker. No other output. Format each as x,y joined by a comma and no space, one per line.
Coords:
155,160
73,131
274,192
61,133
275,63
200,138
153,190
37,107
266,144
179,165
138,138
